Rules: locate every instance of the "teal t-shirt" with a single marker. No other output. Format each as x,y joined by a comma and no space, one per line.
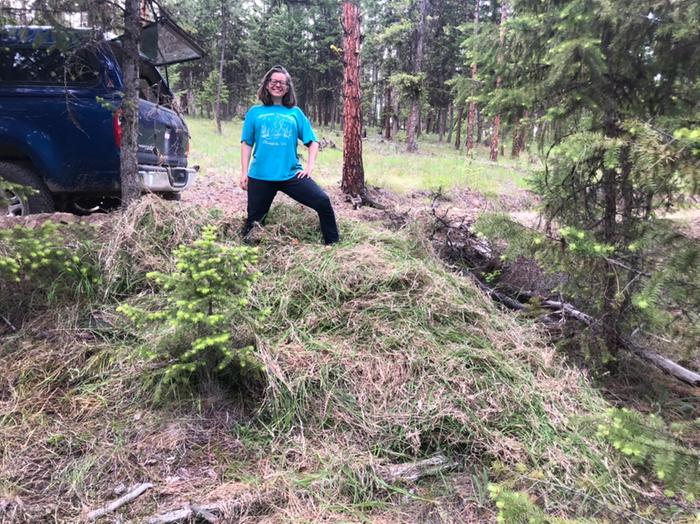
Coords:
273,132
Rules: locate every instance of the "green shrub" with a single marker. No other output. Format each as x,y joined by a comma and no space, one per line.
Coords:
47,265
205,294
647,442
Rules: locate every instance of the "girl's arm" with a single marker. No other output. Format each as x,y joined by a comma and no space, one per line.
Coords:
246,151
313,151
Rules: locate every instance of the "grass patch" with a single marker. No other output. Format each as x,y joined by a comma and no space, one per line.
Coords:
437,165
374,355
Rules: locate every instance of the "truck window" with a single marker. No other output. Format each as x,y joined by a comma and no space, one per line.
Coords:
27,65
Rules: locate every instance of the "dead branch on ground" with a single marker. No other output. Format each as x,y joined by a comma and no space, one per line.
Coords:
113,506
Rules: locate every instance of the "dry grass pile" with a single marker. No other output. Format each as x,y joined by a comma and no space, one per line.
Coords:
375,356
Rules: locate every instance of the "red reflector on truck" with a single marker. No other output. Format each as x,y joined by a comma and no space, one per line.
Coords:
117,129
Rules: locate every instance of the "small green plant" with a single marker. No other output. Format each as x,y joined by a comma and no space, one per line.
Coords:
8,188
207,291
44,259
516,507
647,442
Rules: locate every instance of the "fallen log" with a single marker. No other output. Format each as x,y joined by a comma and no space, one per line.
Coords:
665,364
188,513
115,505
412,471
478,246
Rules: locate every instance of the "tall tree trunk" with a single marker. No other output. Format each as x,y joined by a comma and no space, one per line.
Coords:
414,116
128,169
515,146
471,114
460,117
452,123
222,46
519,132
442,123
479,126
387,111
353,182
395,123
495,136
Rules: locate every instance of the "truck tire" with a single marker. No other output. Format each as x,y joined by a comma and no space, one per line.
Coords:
39,202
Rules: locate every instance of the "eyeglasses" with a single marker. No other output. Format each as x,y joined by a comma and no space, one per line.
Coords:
277,83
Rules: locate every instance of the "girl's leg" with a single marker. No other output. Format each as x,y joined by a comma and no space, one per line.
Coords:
260,196
307,192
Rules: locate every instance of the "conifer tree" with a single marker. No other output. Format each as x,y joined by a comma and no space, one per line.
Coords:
618,84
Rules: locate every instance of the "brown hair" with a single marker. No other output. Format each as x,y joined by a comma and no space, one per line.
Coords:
288,100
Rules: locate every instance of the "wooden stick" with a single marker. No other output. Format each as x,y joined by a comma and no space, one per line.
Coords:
12,327
412,471
113,506
665,364
190,511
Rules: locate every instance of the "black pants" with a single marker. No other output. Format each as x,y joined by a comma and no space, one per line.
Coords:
303,190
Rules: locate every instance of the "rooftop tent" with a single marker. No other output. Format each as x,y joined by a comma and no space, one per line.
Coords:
164,43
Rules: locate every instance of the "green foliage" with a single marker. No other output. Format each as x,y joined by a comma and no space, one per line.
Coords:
517,508
204,295
206,98
45,261
617,98
410,86
13,189
647,442
661,297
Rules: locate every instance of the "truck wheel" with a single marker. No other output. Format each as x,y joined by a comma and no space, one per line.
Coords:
17,204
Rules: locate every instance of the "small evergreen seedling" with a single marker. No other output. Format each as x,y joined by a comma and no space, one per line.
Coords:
648,443
207,291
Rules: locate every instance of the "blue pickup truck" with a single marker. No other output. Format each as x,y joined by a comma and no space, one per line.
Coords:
60,127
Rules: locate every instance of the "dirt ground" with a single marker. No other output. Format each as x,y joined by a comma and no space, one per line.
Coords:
220,191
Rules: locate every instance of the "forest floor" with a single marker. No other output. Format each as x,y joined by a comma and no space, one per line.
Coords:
377,356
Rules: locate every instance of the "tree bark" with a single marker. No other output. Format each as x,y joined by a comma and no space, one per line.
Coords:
458,135
217,111
495,136
353,181
414,116
471,114
442,124
387,111
129,175
452,124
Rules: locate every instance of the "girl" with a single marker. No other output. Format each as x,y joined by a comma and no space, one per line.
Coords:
270,133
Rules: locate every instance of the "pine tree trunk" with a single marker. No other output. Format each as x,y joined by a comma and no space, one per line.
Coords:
353,181
222,47
515,140
479,126
190,96
495,136
458,138
387,111
442,124
414,115
129,176
395,124
452,123
471,113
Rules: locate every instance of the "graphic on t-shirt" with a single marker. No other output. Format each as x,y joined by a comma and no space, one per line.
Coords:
276,129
